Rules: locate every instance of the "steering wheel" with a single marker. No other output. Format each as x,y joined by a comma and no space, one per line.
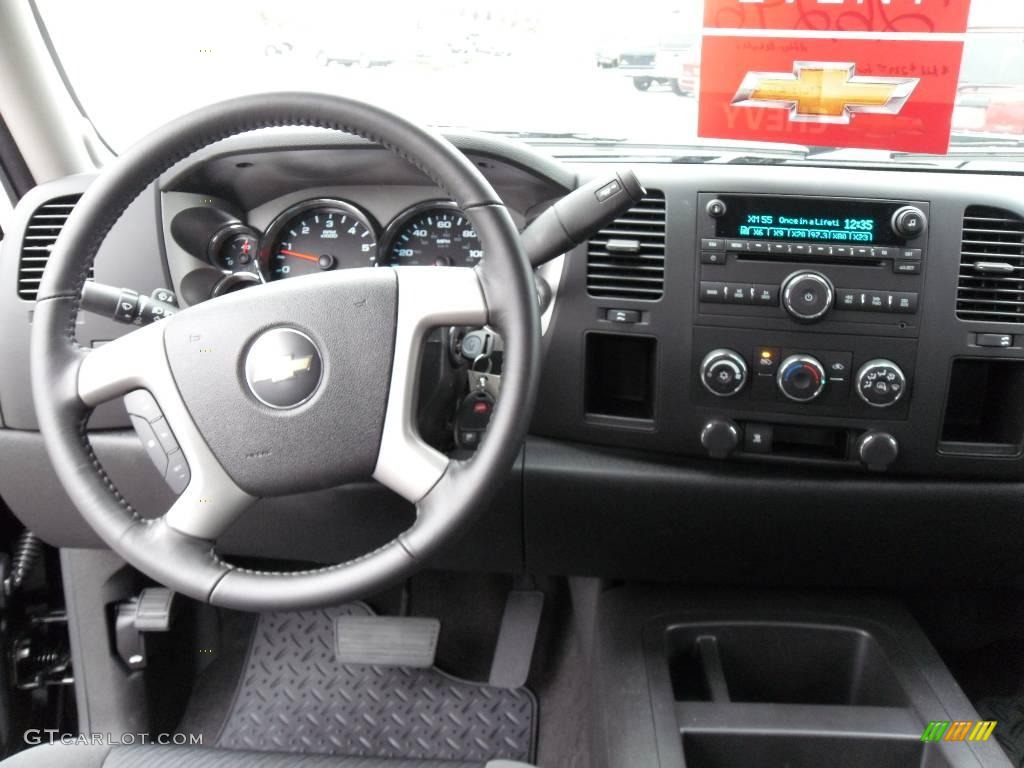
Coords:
298,385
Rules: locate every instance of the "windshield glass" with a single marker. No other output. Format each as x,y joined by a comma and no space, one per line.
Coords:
586,71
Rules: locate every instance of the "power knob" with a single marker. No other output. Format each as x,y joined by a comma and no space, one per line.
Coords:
807,296
909,222
877,450
720,437
723,373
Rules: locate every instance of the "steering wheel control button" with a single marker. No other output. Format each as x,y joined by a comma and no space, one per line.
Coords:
720,438
723,373
283,368
802,378
164,436
150,443
881,383
141,403
178,475
807,296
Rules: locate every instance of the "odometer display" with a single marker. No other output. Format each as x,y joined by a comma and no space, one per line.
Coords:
433,235
319,236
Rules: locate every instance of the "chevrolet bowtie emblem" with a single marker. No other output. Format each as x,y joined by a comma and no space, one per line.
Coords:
280,368
825,92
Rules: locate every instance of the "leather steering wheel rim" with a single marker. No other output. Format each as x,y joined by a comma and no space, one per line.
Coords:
178,549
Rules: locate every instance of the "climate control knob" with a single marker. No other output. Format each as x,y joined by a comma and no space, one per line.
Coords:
881,383
807,296
723,373
801,378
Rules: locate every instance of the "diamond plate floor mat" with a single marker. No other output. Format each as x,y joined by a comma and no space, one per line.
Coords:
294,696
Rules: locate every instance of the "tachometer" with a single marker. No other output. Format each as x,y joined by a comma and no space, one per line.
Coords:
318,236
432,234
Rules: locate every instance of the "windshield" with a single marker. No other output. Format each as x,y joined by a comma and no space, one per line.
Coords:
585,71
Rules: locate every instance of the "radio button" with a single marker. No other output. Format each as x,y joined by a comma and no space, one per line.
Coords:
847,299
883,253
736,245
909,253
738,294
906,303
766,295
878,302
821,250
779,247
842,251
757,246
708,244
901,267
712,293
712,257
800,248
862,252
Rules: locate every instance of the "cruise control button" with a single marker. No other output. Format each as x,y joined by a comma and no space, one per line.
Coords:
141,403
152,446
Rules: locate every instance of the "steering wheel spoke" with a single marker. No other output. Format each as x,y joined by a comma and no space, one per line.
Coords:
211,500
428,297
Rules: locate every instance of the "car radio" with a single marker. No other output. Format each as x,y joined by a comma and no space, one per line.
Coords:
807,309
811,260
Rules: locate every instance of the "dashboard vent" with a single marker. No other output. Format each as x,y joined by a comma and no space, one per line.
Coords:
40,235
991,283
626,259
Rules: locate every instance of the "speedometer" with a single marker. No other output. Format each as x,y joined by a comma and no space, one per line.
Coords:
318,236
433,234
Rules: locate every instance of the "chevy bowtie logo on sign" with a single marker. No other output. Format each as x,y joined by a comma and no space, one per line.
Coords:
825,92
876,74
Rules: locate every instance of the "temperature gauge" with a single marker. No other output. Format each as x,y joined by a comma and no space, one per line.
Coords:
234,249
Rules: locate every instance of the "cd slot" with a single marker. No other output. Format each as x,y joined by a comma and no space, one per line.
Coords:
788,258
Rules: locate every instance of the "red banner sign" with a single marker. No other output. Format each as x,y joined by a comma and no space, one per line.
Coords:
874,74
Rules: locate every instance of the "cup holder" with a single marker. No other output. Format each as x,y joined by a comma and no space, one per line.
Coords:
780,664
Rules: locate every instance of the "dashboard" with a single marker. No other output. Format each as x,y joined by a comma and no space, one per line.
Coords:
845,346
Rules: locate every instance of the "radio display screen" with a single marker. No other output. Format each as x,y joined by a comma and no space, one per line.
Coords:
808,220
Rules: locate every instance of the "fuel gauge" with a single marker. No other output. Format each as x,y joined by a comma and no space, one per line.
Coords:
234,248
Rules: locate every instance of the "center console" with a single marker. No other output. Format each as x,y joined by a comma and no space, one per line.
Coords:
810,307
716,679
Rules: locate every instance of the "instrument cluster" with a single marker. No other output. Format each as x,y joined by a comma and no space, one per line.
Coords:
325,234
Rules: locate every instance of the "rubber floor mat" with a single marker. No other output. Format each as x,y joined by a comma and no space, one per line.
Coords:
294,696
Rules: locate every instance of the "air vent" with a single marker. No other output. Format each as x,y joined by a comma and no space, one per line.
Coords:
991,284
40,235
626,260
